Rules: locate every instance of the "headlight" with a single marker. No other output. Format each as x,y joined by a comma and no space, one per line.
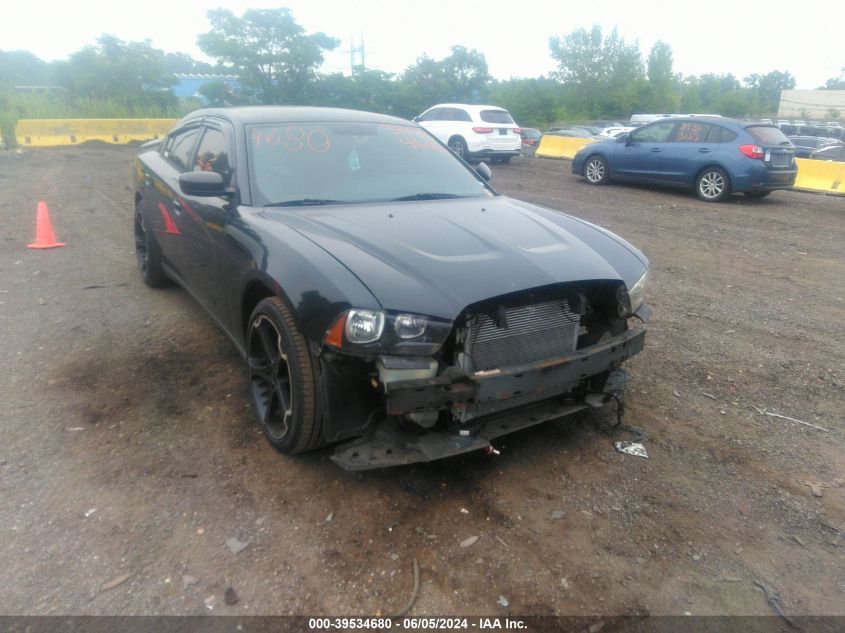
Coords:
637,292
364,326
408,326
376,331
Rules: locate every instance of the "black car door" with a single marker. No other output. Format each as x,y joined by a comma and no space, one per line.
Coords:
205,219
167,212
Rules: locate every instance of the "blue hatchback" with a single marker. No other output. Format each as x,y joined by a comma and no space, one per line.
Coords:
714,157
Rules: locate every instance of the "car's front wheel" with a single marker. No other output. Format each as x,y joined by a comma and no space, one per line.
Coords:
712,185
595,170
282,380
459,146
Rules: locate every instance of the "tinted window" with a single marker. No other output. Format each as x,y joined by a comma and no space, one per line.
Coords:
767,135
529,133
431,115
719,134
455,114
496,116
213,154
353,162
180,150
691,132
654,133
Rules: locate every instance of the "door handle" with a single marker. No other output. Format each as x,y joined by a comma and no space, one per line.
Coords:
703,150
177,206
656,150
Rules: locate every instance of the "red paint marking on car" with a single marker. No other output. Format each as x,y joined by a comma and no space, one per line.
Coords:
169,225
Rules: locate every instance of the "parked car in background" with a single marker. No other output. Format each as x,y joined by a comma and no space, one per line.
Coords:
380,292
611,132
806,145
766,121
830,152
530,139
783,122
575,132
474,132
713,157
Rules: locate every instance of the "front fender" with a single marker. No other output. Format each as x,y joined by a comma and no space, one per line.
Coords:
315,285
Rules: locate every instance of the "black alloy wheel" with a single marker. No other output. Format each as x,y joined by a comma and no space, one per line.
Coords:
281,378
148,256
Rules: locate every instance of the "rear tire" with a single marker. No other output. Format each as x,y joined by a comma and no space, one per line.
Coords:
712,185
756,195
595,170
282,379
148,255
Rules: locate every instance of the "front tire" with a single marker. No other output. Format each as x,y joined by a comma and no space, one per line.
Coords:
595,170
282,379
712,185
148,255
459,146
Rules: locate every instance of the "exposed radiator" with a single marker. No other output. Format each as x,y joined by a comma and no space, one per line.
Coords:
534,333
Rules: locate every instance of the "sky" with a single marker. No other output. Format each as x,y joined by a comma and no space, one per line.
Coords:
715,36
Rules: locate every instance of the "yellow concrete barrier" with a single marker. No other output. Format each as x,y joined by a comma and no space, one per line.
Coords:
56,132
552,146
820,175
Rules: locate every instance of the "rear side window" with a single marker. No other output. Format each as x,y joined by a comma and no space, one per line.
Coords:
455,114
179,152
719,134
768,135
496,116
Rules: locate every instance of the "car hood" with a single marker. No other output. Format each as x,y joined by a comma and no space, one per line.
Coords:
437,257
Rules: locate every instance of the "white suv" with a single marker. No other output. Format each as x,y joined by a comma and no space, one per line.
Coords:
474,131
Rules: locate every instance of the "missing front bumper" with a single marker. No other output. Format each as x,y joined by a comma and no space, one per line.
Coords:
389,445
451,392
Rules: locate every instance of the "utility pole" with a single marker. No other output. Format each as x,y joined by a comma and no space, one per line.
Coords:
357,53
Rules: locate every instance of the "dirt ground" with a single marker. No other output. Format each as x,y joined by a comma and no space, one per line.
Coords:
129,457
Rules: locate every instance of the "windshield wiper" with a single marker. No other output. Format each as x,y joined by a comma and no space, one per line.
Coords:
303,202
428,196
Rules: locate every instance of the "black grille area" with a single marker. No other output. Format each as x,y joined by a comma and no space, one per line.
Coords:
533,333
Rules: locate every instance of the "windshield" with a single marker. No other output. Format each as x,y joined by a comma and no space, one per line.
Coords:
344,163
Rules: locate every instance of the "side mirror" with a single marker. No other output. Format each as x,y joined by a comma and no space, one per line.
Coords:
484,171
203,183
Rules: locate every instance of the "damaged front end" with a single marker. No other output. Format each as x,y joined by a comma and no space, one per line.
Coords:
503,365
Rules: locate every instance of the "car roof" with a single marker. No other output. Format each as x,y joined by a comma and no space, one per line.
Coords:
468,106
247,115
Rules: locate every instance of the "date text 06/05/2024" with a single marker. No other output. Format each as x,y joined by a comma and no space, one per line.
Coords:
411,624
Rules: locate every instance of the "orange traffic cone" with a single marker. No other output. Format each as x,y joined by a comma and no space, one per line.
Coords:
44,236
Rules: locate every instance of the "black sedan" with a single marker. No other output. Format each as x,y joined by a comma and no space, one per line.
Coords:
379,290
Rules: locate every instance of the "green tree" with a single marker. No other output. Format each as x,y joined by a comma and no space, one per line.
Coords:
132,73
465,72
606,71
274,59
531,102
22,68
835,83
662,95
768,88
